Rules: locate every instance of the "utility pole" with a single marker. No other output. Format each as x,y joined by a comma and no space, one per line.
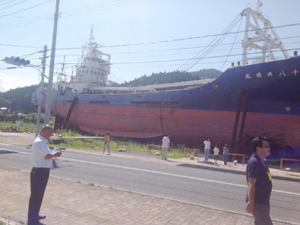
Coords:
50,81
41,91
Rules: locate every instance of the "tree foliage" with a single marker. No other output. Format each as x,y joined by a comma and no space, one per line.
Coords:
171,77
19,99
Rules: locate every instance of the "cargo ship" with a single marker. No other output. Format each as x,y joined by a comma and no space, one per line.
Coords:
243,102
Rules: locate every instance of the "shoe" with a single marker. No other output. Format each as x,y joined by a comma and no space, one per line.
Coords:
35,223
41,217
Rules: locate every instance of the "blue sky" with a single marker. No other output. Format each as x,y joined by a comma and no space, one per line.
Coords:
142,36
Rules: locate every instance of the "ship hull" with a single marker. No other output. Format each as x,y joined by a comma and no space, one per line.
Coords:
249,101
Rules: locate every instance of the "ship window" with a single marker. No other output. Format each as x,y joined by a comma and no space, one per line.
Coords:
146,104
100,102
139,96
174,103
103,96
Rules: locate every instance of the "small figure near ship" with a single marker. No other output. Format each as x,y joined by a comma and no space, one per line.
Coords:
245,101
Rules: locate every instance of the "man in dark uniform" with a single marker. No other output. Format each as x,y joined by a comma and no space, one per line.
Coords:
259,183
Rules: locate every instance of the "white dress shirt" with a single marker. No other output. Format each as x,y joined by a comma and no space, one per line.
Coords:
39,150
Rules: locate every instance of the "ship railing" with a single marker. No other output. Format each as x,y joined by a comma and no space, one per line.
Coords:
196,151
297,164
124,144
241,155
154,147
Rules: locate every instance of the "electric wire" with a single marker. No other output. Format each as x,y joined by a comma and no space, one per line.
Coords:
14,5
8,2
26,9
210,44
47,17
231,46
191,63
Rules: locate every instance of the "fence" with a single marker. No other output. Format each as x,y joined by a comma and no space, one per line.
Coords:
119,143
234,154
155,147
289,169
196,151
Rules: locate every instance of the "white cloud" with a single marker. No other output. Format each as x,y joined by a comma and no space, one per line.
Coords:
8,82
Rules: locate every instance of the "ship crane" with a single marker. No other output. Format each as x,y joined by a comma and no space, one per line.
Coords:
264,38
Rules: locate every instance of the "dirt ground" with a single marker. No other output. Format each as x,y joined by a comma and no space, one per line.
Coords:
16,138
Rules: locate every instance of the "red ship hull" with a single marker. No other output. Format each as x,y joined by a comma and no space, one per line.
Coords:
183,125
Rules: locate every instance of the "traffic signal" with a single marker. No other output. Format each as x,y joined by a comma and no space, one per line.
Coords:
16,61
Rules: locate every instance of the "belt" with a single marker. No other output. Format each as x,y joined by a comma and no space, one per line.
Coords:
41,168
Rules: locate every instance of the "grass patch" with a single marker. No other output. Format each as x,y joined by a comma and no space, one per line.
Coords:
175,152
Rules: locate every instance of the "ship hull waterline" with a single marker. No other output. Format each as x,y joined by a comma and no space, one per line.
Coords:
185,126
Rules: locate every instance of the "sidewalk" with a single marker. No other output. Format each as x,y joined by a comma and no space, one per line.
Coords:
72,203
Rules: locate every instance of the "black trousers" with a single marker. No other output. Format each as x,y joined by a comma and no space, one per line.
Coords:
38,182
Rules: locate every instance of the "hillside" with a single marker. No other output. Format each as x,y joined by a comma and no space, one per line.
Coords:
171,77
19,99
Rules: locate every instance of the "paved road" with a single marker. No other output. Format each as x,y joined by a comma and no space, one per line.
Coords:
173,180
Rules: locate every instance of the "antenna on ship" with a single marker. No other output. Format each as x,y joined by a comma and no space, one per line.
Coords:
264,39
259,5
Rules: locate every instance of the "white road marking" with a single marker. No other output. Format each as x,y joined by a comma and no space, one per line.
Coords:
162,173
5,144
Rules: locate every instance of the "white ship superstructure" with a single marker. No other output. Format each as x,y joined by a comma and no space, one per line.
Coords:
93,71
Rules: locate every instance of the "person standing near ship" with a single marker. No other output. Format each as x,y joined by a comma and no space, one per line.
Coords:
259,181
216,153
107,143
225,153
165,146
206,149
41,158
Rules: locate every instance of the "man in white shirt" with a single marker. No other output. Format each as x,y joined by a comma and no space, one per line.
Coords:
41,158
206,149
165,146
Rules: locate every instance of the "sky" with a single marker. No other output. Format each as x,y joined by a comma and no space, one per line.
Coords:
142,36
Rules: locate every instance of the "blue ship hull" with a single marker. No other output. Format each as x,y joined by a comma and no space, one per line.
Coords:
246,101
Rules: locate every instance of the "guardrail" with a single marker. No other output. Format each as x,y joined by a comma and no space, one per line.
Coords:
197,151
119,143
288,169
235,154
155,147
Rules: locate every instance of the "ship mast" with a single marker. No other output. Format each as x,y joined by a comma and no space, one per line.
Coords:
263,38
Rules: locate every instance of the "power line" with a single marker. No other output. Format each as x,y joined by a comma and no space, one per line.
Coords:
26,9
40,19
18,46
94,8
8,2
14,4
184,59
